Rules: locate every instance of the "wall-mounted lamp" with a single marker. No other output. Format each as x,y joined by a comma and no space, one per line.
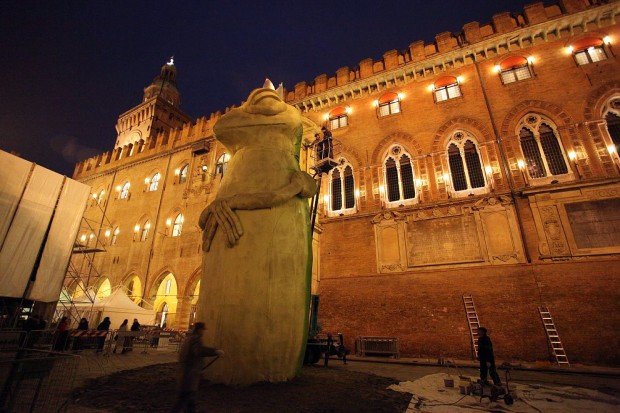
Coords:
136,228
401,95
375,103
573,157
118,188
326,116
177,172
107,233
147,180
204,168
94,196
489,172
531,60
459,79
521,165
497,68
83,238
348,110
168,222
431,87
568,50
607,40
357,193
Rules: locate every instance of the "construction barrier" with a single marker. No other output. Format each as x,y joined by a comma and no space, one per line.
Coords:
37,381
374,346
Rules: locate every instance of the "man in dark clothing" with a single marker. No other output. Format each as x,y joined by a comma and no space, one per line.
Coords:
327,144
191,362
103,326
485,355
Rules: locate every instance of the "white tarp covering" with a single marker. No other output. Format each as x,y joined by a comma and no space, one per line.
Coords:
23,241
34,200
14,174
65,225
119,307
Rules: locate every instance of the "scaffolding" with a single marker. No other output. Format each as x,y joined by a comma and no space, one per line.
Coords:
82,271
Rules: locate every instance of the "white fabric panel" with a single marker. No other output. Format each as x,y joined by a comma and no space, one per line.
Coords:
65,225
23,241
14,174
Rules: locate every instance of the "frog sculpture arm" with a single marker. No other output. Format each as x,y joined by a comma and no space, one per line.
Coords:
220,213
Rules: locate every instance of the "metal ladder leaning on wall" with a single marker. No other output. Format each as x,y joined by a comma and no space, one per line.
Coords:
553,337
472,322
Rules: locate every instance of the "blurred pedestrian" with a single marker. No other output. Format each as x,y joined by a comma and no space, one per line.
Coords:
191,362
103,326
121,336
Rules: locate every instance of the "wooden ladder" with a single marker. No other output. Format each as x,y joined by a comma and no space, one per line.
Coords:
553,337
472,321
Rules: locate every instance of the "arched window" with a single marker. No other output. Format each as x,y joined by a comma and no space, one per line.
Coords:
124,191
446,87
222,162
177,226
338,118
388,104
399,176
144,234
163,315
114,238
611,113
588,50
183,173
342,188
541,147
514,69
100,196
154,182
466,170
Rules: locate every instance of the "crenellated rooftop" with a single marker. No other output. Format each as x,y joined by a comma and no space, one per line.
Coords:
506,32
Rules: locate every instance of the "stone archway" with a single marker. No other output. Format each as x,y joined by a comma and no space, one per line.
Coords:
165,291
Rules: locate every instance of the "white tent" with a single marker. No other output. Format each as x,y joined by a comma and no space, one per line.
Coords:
118,307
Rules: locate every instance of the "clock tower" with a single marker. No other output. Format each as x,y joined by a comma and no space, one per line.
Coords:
159,111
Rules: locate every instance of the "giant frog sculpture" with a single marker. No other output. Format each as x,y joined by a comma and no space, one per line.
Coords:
257,254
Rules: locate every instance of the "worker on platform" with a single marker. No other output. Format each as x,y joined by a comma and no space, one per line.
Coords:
327,144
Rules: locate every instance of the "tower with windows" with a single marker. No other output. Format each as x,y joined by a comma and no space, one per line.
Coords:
159,112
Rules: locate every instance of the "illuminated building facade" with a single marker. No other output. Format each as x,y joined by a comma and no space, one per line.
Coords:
484,163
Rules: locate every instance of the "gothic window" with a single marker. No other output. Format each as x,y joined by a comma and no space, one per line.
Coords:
183,173
143,230
514,69
541,147
222,162
589,50
466,171
611,114
445,88
154,182
124,191
400,184
114,236
388,104
342,187
338,118
177,226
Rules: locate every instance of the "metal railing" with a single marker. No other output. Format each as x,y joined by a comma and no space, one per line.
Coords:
370,345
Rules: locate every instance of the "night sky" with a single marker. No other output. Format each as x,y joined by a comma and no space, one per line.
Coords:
69,68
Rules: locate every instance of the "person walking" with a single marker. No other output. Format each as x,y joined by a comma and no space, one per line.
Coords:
103,326
487,358
191,362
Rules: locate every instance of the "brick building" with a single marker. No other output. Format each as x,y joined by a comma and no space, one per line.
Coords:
484,163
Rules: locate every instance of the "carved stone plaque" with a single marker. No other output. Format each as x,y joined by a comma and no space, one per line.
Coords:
595,224
448,240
